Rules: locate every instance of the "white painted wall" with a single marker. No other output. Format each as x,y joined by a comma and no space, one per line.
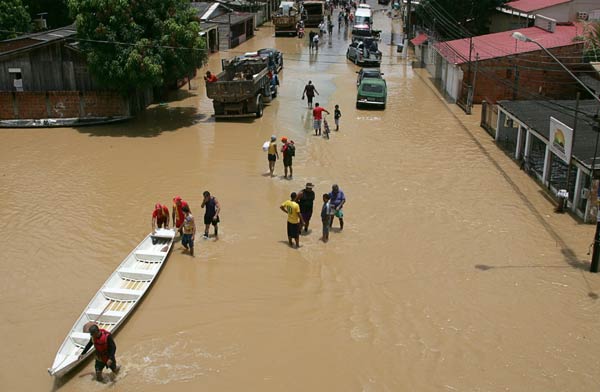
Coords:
454,77
567,12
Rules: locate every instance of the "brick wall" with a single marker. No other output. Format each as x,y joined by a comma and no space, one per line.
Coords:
31,105
6,106
525,75
61,104
101,104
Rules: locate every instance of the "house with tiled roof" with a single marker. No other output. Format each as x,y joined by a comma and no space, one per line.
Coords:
521,13
499,67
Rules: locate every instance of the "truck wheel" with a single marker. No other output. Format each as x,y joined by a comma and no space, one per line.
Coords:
259,106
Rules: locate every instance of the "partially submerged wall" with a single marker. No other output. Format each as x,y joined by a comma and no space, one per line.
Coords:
61,104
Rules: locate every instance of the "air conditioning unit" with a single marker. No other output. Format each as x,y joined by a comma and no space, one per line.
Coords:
583,16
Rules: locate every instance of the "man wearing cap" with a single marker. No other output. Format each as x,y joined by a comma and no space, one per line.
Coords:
160,217
294,220
272,154
337,201
305,199
178,215
288,150
105,347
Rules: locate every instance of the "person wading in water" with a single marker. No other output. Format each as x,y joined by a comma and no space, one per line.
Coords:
105,347
309,92
211,214
160,217
178,214
305,199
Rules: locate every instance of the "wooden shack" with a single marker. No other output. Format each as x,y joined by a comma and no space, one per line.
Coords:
45,75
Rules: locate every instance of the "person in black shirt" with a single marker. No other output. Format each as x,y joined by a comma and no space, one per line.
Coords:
309,92
211,214
305,200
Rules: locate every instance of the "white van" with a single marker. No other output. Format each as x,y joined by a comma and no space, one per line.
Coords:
363,16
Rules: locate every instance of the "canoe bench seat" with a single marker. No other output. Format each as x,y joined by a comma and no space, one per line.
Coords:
108,317
149,257
136,274
80,338
116,294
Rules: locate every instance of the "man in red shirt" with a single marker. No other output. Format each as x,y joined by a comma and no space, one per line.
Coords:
318,118
178,215
160,217
210,78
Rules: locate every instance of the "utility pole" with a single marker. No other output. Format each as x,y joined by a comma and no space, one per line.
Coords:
408,21
596,253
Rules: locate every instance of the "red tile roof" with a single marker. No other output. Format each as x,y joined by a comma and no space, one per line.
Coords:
533,5
502,44
419,39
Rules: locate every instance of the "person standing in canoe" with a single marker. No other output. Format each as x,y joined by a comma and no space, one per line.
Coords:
189,230
160,217
105,347
178,215
211,214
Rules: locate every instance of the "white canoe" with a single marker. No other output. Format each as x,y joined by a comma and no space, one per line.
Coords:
117,298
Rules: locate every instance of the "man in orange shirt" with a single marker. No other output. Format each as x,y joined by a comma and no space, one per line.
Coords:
178,215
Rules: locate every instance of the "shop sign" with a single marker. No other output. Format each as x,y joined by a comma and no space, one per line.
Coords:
561,140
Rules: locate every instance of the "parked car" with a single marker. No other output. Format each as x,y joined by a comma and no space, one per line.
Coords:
364,52
371,92
384,2
368,73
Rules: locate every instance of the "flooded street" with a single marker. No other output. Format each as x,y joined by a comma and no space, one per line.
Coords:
452,272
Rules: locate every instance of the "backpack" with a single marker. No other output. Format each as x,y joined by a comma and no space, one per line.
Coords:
292,150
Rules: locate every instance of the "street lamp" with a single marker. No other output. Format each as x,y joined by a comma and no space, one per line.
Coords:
522,37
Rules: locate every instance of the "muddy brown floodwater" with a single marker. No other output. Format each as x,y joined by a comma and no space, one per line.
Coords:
452,273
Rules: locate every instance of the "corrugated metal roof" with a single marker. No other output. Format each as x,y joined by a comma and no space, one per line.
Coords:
419,39
36,39
536,116
236,17
502,44
533,5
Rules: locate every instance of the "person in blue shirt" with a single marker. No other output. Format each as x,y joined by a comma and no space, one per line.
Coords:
337,201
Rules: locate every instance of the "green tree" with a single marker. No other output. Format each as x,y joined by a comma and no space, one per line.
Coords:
591,39
132,43
14,19
458,18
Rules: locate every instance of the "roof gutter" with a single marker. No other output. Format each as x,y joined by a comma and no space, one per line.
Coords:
512,11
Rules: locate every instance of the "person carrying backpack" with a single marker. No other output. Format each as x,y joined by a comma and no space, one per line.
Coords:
288,150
